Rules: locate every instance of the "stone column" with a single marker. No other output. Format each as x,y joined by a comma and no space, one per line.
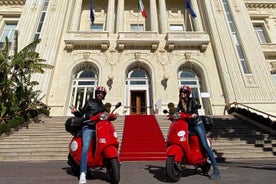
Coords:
197,21
163,16
110,20
75,23
120,16
153,16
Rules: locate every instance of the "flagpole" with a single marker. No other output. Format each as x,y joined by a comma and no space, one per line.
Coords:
138,14
185,19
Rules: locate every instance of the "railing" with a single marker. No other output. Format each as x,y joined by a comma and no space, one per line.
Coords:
257,117
236,104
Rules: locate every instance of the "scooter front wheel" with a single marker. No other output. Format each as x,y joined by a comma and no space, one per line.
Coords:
172,171
75,169
113,170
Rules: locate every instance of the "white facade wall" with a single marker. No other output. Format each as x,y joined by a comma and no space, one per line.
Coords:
207,48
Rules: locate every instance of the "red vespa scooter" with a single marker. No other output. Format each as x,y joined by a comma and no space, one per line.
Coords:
183,148
103,151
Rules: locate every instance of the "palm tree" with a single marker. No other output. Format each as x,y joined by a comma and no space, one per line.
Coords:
16,87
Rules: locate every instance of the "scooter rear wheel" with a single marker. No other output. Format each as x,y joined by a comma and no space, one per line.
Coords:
205,168
172,171
113,170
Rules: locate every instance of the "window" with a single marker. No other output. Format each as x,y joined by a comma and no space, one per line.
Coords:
235,37
273,74
41,21
187,77
136,27
138,77
84,84
176,27
96,27
8,31
260,34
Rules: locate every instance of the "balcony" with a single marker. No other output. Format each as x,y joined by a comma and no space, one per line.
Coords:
196,40
86,40
269,50
137,39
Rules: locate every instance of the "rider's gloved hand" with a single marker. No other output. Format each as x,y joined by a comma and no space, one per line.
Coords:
113,116
194,116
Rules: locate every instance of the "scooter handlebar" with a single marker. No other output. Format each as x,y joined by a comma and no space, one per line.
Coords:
179,115
103,116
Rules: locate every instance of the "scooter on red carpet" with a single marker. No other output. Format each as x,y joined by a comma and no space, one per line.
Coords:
103,151
183,148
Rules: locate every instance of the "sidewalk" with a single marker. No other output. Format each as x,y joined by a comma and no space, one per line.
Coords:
244,172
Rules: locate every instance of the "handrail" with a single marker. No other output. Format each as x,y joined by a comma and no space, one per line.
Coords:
227,106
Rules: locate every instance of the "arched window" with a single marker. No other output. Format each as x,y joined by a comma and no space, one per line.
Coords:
137,77
84,84
188,77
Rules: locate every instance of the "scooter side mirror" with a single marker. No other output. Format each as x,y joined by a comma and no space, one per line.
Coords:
165,111
118,105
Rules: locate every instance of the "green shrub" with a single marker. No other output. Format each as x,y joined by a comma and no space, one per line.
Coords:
171,108
43,110
13,123
20,120
4,128
108,106
33,113
170,105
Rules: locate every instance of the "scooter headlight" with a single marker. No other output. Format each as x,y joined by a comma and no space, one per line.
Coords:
181,134
74,146
103,116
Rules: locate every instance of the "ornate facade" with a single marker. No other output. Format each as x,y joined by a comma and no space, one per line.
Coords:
227,53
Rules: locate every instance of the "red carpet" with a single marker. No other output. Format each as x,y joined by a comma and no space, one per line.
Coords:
142,139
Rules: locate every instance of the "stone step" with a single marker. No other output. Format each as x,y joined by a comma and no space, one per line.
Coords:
48,139
42,150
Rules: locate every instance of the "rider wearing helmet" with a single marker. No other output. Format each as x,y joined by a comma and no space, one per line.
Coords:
186,104
189,105
92,107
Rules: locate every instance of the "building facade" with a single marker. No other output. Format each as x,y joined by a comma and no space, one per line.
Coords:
227,53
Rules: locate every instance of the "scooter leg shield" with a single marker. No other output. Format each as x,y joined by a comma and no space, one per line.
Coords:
110,152
176,151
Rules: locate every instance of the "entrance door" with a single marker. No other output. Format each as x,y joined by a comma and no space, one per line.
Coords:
138,102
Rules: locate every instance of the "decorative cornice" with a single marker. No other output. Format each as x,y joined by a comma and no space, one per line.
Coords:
12,2
260,5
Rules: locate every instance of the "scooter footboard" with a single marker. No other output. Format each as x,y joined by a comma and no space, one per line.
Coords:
176,151
110,152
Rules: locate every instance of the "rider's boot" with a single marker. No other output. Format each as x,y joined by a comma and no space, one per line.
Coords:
215,174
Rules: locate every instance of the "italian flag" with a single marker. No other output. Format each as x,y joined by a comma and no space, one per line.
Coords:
142,8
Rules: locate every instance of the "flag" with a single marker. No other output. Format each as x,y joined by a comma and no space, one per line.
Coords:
92,16
189,6
142,8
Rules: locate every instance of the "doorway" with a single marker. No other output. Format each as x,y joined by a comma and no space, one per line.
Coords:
138,102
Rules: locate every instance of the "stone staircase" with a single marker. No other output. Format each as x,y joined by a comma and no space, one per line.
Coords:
235,139
48,140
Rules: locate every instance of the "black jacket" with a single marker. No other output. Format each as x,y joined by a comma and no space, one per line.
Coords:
193,107
91,108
